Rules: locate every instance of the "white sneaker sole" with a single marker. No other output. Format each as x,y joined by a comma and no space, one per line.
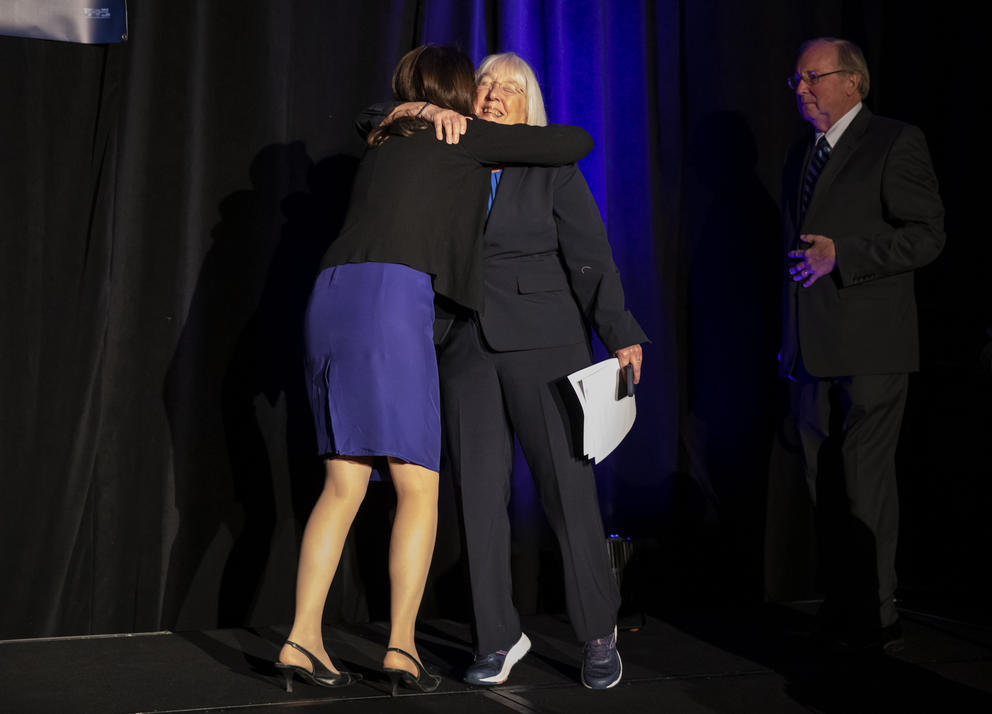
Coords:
513,655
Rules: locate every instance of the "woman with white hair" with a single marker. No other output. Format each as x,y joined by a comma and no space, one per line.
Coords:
549,277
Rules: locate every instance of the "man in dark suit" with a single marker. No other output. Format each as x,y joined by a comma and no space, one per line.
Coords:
861,212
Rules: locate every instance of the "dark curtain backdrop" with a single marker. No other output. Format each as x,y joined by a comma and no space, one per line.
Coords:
163,207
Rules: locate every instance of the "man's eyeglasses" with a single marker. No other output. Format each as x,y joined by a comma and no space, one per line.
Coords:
811,78
506,87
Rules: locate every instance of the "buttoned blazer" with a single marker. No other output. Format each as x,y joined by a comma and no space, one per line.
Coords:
877,200
548,268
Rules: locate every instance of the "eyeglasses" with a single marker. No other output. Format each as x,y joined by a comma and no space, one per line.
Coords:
811,78
508,88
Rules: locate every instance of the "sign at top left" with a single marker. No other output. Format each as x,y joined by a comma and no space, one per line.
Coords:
89,22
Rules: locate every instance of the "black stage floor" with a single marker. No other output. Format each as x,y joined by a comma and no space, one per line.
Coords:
718,660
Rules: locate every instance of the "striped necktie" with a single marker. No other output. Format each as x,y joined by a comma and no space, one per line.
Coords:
813,171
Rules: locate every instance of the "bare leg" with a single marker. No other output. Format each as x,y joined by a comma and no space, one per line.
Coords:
411,546
345,483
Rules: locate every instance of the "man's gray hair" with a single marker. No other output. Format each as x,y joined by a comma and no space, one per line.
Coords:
849,56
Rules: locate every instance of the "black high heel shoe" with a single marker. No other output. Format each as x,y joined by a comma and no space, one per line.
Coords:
319,675
425,681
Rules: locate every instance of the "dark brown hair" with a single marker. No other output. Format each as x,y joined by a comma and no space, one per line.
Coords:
439,74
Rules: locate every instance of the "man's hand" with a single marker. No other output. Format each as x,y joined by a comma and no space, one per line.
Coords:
449,125
632,356
814,262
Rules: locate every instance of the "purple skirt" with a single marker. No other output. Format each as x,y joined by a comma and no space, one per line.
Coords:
370,365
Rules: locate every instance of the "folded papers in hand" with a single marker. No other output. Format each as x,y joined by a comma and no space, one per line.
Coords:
606,417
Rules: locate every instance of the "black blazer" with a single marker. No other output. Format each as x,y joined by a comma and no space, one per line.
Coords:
549,272
877,200
421,202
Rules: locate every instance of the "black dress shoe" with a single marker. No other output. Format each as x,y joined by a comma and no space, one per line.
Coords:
883,639
319,674
890,637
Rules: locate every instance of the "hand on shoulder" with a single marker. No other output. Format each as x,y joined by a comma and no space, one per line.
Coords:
449,125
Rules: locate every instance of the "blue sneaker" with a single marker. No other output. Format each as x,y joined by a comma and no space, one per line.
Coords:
494,668
601,665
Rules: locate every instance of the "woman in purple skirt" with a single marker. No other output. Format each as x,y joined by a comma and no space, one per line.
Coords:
413,230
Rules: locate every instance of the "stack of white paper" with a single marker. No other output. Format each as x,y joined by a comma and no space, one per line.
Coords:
606,419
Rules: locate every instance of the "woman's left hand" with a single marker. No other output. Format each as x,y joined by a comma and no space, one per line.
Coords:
449,125
631,355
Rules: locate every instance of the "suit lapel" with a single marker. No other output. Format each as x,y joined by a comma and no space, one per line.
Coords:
507,185
797,197
839,156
